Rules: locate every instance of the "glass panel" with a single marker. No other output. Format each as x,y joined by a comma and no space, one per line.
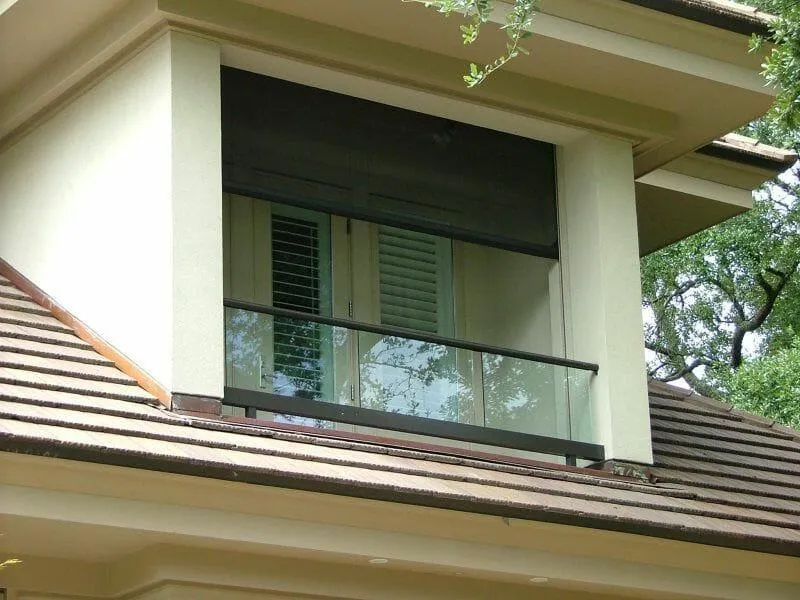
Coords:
580,406
303,359
532,397
524,396
285,356
233,411
416,378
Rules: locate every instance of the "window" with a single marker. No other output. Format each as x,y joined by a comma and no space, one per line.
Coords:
369,266
314,263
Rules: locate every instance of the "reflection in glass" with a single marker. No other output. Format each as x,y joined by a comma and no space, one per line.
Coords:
525,396
415,378
312,361
284,356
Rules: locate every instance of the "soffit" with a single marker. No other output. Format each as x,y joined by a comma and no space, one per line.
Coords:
48,28
704,188
666,215
591,66
695,95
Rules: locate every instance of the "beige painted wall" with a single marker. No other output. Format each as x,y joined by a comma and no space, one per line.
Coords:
506,299
600,255
112,207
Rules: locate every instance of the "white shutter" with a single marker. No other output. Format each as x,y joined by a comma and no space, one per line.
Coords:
415,280
298,283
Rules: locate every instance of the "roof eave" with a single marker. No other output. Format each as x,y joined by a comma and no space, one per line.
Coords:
745,151
715,14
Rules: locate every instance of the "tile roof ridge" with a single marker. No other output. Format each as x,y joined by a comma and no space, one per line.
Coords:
11,278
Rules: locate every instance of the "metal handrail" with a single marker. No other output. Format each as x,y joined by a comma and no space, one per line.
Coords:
409,334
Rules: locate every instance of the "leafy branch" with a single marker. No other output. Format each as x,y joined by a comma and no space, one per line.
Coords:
9,562
519,22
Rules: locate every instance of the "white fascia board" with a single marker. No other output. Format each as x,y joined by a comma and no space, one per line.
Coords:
702,188
211,528
640,50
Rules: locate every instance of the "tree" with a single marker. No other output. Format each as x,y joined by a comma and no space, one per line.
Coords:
770,386
782,66
519,21
726,294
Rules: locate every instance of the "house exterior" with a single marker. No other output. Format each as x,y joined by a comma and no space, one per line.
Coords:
287,312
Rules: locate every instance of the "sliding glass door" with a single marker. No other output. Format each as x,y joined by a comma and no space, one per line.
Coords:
313,263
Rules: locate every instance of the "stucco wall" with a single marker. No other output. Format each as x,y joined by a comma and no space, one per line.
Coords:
94,210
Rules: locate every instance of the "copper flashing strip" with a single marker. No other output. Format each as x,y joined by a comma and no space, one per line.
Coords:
716,14
85,333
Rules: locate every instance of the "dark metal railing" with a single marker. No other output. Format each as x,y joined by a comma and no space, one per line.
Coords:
410,334
253,400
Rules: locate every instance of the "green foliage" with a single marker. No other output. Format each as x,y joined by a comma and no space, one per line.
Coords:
519,21
782,64
9,562
770,386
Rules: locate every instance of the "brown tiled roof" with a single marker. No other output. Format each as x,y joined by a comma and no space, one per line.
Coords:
720,476
742,149
733,16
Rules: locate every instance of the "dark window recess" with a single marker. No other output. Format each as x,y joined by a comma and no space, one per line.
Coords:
348,156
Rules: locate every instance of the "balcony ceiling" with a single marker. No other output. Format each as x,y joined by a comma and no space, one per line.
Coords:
667,84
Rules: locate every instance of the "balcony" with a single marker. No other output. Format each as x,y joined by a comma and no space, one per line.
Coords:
338,373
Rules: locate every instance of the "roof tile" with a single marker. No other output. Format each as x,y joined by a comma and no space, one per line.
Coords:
718,475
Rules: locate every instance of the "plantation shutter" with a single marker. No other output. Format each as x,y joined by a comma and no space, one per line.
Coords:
295,264
299,282
415,280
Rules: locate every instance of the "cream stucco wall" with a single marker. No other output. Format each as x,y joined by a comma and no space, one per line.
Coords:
112,207
600,256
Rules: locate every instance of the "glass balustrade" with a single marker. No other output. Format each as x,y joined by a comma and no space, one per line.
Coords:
382,377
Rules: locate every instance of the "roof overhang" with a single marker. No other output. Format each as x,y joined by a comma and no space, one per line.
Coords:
112,517
666,84
731,16
703,188
669,80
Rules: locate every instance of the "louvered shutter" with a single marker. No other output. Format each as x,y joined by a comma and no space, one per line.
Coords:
415,280
299,280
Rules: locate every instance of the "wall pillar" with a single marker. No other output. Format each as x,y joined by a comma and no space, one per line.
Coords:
600,261
198,319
